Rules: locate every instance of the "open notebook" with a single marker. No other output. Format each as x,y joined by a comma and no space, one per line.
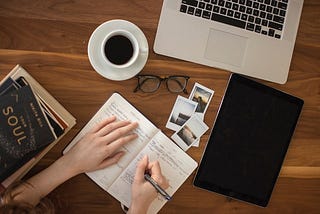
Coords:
175,164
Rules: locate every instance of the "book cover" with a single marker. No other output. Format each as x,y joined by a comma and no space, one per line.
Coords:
61,115
24,129
7,86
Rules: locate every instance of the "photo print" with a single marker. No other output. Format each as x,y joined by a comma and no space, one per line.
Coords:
190,132
182,110
201,95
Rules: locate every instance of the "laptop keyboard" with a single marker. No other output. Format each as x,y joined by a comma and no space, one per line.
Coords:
265,17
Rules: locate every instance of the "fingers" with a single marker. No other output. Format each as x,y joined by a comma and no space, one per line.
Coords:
141,168
107,138
118,137
103,124
122,129
155,169
108,128
109,125
111,130
115,145
111,160
156,174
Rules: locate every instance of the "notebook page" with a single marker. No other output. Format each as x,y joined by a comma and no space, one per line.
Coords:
175,165
118,106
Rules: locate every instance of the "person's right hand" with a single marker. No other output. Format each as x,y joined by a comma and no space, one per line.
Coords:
99,147
143,193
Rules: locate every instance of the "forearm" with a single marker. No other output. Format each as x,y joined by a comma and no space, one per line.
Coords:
96,150
44,182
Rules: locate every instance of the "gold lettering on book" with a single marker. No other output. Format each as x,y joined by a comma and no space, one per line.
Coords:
36,114
12,120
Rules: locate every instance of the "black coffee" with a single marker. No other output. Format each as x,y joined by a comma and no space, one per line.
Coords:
118,49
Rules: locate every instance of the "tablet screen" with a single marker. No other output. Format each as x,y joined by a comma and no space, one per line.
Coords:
249,141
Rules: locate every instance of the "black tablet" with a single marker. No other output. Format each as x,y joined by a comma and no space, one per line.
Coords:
248,142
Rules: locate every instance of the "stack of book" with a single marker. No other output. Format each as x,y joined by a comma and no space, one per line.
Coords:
31,123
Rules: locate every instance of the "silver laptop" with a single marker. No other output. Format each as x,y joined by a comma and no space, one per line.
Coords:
251,37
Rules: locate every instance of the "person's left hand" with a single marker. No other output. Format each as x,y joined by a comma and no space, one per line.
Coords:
99,147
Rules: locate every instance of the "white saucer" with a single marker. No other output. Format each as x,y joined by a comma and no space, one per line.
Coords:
97,60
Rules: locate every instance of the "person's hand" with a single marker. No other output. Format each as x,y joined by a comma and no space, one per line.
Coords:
99,147
143,193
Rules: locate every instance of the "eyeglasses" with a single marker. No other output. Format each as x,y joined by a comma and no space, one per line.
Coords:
151,83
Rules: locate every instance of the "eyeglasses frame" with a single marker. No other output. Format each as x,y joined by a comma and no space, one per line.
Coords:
162,79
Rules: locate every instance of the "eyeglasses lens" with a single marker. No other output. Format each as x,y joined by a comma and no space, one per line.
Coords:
176,84
149,84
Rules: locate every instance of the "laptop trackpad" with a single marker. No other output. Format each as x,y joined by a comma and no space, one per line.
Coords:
226,48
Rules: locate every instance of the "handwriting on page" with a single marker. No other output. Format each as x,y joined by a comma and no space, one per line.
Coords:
174,166
156,151
167,156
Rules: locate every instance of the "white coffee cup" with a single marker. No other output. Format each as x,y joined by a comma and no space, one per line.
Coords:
105,67
120,49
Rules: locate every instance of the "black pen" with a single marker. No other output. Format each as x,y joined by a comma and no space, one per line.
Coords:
156,185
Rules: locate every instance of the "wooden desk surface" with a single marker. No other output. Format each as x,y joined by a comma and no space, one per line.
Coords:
50,38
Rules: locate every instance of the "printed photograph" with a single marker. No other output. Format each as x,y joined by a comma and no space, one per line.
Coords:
182,110
202,95
190,132
187,135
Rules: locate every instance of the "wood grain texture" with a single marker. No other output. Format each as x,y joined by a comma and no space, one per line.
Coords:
50,38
